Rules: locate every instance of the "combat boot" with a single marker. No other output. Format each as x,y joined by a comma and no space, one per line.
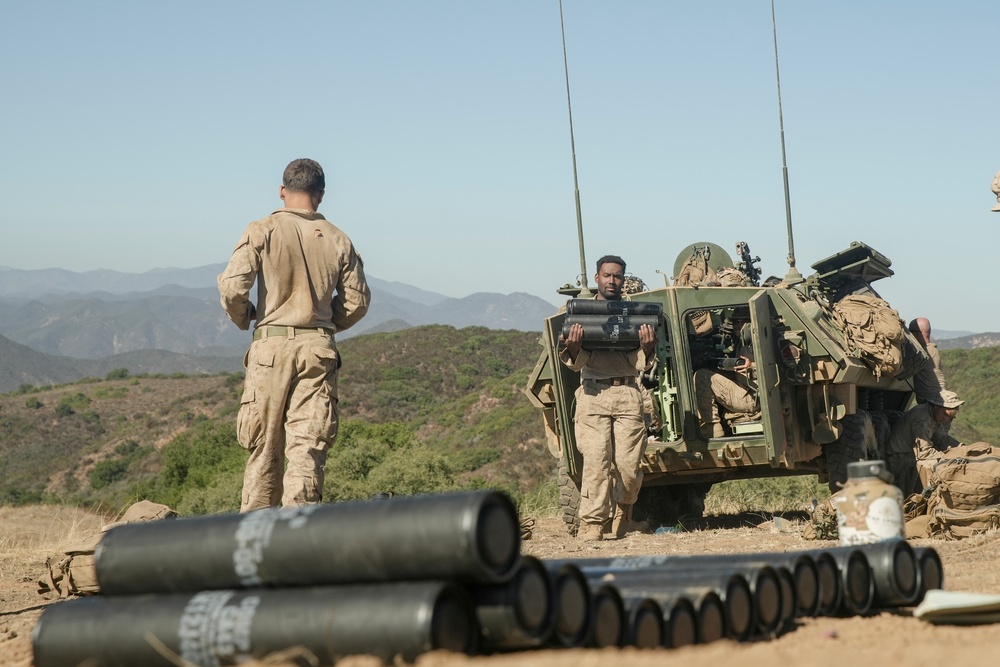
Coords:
622,524
590,532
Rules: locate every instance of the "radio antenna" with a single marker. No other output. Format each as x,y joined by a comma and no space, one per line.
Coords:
793,277
585,292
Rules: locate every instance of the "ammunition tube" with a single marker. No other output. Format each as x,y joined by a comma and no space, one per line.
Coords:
856,581
571,604
644,622
516,614
225,627
828,578
680,621
732,589
607,619
609,332
895,572
930,569
602,307
472,537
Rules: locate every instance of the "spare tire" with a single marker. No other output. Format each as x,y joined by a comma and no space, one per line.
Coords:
569,498
854,444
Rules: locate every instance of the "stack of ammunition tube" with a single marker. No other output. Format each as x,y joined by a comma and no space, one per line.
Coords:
401,576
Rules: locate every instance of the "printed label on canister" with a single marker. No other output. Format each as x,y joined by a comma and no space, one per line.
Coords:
863,519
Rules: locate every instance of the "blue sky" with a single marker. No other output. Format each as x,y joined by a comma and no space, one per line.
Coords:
139,135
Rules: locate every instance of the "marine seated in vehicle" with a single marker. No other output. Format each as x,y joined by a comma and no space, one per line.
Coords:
725,380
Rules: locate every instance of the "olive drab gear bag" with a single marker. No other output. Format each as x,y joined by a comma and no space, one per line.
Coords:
873,332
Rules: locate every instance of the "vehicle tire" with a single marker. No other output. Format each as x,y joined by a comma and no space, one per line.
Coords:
882,422
569,498
670,505
854,443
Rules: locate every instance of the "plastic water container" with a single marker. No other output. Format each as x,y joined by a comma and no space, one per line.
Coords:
869,507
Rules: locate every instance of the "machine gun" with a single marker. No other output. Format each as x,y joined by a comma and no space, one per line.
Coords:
747,263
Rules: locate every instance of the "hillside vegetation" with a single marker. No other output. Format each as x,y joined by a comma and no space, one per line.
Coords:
426,409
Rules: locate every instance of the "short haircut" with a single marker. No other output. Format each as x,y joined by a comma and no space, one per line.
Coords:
304,175
610,259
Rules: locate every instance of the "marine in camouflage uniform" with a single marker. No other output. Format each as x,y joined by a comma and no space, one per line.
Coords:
918,440
609,423
928,383
310,285
732,391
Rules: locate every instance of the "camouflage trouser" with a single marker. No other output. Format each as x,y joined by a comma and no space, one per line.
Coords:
611,436
728,390
288,410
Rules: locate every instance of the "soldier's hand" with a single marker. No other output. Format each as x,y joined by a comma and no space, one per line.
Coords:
647,338
574,341
744,365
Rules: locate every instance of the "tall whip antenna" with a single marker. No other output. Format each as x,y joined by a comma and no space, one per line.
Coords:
793,277
585,292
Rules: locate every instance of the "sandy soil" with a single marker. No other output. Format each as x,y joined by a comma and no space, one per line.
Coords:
886,638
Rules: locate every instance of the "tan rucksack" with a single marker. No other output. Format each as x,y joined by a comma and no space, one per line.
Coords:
71,571
873,332
965,492
966,477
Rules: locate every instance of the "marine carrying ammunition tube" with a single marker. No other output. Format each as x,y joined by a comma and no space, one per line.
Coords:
611,332
516,614
226,627
571,604
472,537
930,569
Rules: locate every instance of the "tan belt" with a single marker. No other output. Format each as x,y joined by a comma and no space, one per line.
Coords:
290,332
616,382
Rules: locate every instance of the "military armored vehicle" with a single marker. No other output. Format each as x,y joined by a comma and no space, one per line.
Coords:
824,397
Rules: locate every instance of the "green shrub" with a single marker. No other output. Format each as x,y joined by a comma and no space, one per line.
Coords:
32,402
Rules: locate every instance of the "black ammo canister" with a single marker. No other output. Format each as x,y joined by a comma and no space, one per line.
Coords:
470,537
610,325
228,627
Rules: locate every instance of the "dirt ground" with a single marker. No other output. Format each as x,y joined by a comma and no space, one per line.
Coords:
886,638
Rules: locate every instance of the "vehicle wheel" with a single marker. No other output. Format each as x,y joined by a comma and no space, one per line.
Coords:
669,505
569,498
855,442
882,422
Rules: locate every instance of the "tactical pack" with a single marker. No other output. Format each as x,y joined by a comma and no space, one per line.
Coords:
966,478
71,571
963,497
873,332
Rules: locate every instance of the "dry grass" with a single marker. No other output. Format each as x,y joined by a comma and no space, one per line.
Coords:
28,535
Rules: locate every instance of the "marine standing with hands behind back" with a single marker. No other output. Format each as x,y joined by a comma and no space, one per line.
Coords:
609,425
310,285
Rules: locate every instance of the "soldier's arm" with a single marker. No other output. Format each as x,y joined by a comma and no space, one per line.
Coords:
235,283
573,354
353,296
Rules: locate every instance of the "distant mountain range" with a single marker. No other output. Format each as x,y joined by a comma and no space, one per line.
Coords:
97,314
59,326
